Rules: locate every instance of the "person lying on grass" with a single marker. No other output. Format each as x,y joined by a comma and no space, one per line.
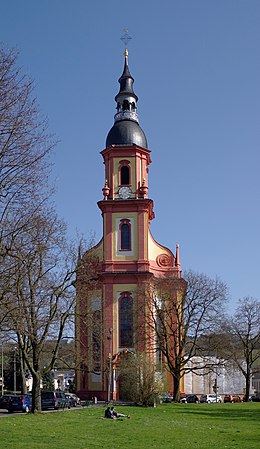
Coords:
111,413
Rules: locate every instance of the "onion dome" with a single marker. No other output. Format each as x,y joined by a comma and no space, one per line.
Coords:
126,129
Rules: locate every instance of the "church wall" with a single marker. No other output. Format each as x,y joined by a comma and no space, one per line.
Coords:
97,250
90,303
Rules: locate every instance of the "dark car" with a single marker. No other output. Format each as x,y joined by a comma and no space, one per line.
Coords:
255,397
53,399
4,400
20,403
192,399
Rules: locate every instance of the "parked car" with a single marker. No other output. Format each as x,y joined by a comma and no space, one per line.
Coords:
183,398
53,399
4,400
192,399
228,398
20,403
166,397
77,399
232,398
73,399
237,398
209,398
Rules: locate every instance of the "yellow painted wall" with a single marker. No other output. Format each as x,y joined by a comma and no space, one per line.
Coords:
97,250
155,249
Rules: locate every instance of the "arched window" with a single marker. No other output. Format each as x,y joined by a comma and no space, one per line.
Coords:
125,235
126,320
124,173
160,319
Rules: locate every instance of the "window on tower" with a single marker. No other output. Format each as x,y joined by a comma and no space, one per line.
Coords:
124,173
125,235
126,320
125,105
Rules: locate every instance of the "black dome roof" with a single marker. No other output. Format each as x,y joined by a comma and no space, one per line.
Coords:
126,132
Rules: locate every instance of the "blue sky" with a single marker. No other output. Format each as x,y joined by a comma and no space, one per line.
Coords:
196,65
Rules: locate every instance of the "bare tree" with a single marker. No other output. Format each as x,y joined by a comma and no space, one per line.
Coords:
36,266
242,334
24,164
40,298
178,315
24,149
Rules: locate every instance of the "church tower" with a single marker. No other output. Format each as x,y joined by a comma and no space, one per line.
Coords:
111,274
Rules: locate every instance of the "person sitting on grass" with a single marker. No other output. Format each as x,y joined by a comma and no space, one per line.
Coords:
108,413
114,414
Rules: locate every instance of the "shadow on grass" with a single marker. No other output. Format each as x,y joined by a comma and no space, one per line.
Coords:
227,411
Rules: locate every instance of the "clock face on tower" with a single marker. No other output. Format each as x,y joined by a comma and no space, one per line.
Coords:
124,192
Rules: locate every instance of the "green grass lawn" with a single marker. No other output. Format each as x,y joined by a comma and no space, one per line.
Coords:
169,426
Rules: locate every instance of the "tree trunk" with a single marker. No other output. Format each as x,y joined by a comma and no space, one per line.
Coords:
248,377
23,377
176,389
36,393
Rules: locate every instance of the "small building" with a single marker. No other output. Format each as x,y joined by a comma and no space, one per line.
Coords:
203,373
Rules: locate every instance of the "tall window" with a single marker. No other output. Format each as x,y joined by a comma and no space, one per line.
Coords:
126,320
159,335
125,175
125,235
124,172
96,340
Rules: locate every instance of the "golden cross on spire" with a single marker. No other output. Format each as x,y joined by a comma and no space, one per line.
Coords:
125,38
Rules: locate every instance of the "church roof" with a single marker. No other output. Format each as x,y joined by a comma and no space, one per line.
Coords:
126,129
126,132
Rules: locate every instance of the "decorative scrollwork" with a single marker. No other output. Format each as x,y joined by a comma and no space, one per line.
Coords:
164,260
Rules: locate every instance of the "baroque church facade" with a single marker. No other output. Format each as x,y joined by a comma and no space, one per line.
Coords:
111,275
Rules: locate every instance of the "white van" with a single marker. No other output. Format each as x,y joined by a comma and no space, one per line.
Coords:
210,398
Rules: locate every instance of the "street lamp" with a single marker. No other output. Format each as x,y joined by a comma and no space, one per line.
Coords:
2,370
15,369
110,338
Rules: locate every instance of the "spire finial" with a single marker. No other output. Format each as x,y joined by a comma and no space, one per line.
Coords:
177,258
125,38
